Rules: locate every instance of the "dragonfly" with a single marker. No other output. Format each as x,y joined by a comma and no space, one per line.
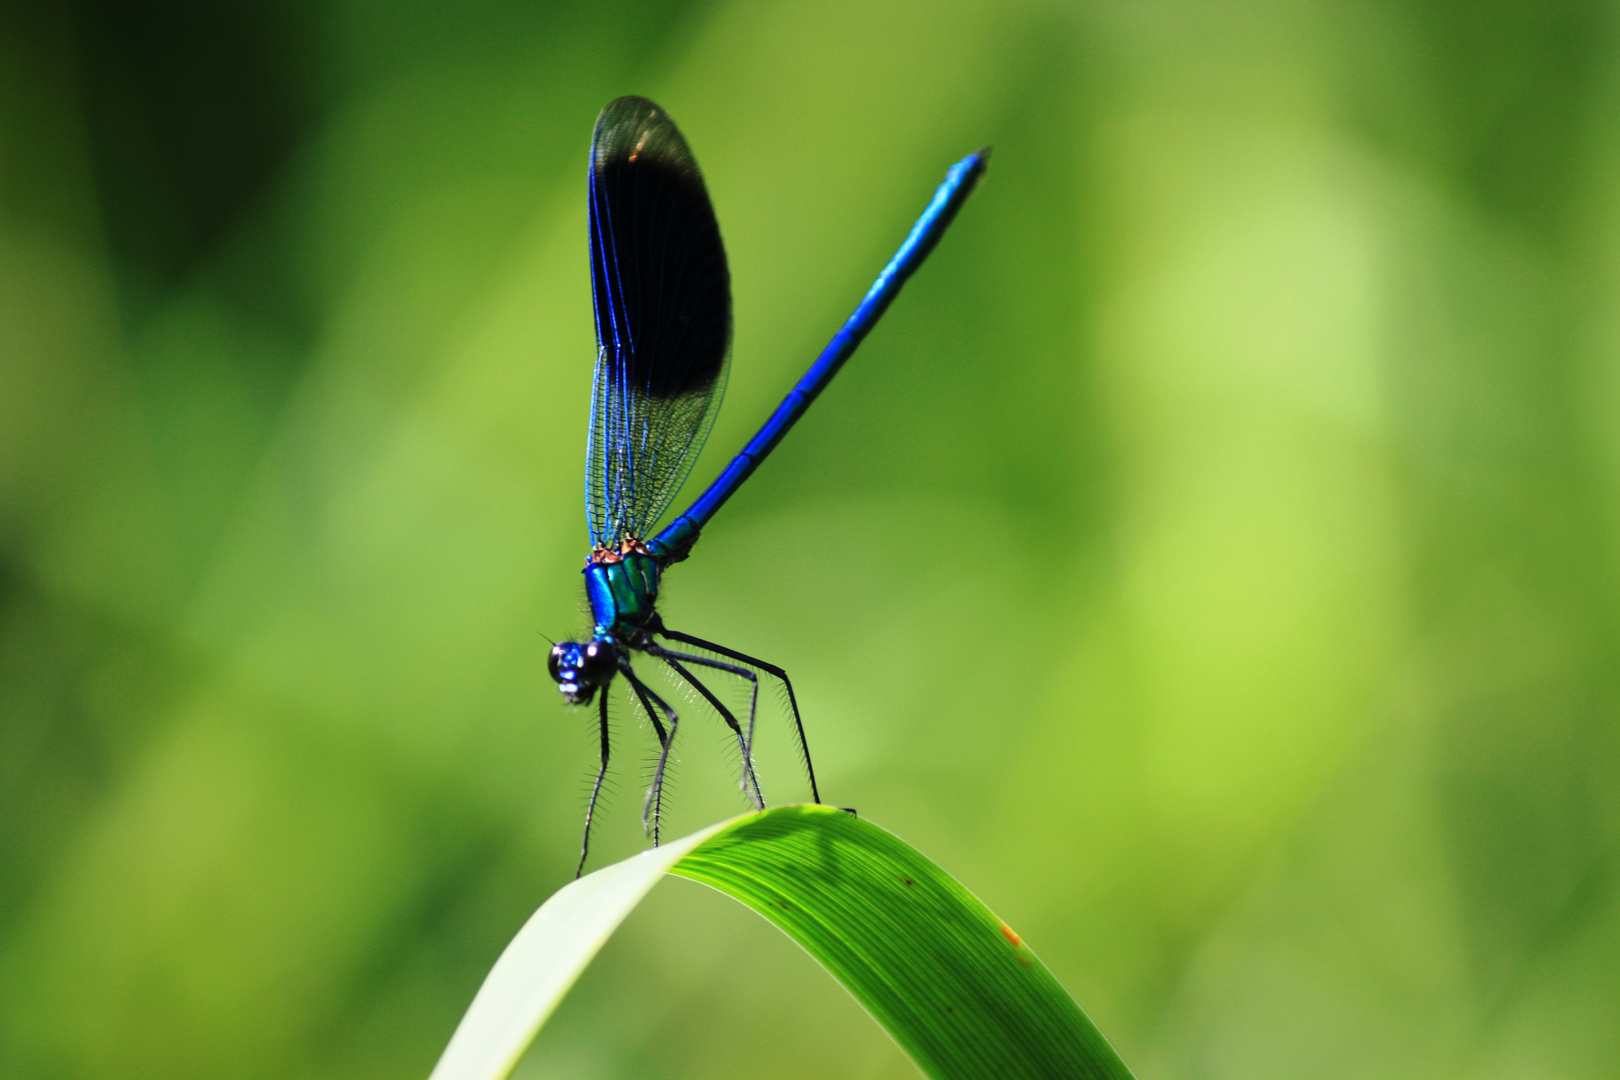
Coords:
662,293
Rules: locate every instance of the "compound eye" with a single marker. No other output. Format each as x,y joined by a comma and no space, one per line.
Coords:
568,659
600,661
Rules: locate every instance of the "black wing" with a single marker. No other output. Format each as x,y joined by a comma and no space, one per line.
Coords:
663,318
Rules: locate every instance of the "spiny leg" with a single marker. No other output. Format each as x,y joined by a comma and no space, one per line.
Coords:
744,742
596,788
654,804
769,669
673,659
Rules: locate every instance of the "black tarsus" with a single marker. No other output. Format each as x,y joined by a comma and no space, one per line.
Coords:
769,669
596,788
652,809
744,743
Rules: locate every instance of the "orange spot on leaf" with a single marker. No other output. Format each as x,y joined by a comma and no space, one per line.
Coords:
1007,932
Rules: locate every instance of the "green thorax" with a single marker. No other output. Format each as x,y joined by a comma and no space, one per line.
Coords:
623,587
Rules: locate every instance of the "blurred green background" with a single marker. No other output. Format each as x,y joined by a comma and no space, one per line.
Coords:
1211,559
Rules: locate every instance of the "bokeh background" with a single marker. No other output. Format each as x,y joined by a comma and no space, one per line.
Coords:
1211,560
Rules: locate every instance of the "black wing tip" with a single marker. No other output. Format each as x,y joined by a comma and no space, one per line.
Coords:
622,112
636,127
630,103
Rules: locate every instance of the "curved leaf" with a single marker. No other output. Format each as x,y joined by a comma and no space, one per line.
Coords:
545,958
955,986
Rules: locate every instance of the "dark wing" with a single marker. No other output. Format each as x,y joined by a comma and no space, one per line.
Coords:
663,318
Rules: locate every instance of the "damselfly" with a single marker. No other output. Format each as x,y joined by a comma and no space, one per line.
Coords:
663,332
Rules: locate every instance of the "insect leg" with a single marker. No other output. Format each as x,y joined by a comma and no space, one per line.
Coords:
596,788
745,743
769,669
652,810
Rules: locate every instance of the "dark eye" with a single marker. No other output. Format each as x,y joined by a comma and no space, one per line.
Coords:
601,660
568,660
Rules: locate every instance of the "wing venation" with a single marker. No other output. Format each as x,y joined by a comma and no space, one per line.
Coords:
663,318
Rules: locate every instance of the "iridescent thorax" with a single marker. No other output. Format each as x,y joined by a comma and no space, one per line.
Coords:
622,584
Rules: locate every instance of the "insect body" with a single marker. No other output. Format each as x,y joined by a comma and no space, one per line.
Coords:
662,293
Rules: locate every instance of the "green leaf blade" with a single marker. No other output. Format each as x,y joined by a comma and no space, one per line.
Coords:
955,987
950,982
539,966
